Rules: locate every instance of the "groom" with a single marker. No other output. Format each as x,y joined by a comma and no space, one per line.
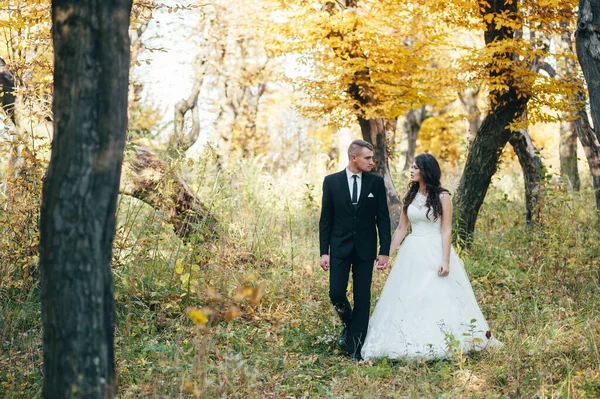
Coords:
354,211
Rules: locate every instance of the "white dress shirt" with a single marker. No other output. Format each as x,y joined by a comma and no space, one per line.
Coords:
351,183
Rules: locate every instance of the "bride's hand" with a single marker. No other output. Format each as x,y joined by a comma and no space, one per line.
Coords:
444,270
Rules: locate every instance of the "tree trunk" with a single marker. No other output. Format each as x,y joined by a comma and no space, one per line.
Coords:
77,224
481,165
567,150
591,147
373,131
568,133
248,140
492,136
148,178
587,44
411,125
533,173
180,142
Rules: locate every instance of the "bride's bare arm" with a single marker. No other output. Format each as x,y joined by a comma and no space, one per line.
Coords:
400,233
446,232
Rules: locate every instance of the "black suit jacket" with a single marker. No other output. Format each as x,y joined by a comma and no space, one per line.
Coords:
342,228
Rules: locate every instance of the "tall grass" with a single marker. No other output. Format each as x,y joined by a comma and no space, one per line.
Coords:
538,287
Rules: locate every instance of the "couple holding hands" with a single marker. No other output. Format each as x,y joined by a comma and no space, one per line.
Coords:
427,298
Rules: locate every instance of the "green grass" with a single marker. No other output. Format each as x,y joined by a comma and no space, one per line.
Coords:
538,287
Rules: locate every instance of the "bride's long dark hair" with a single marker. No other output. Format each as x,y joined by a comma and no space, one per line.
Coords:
431,174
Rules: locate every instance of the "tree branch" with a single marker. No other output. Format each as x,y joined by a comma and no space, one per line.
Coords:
180,142
544,66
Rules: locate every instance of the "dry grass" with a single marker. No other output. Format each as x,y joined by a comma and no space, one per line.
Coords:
539,289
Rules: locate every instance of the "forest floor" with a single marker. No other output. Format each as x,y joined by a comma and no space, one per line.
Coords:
270,330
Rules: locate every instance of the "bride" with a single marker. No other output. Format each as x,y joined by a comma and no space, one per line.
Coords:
427,308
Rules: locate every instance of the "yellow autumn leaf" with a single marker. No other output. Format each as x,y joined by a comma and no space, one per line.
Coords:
184,278
257,294
243,292
179,267
198,316
232,313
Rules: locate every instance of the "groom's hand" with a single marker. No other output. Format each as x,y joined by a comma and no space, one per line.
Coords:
325,262
382,262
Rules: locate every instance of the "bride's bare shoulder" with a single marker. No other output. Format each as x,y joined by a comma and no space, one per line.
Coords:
445,194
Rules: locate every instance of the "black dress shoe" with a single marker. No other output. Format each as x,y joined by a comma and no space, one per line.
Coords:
356,356
343,336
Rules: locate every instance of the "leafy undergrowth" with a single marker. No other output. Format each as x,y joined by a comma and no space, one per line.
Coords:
248,315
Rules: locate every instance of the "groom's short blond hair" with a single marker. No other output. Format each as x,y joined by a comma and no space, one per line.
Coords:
357,145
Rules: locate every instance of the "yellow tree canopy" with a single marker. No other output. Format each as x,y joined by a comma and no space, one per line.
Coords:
26,45
403,54
408,63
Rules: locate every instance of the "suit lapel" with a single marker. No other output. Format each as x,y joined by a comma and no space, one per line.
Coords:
343,180
365,189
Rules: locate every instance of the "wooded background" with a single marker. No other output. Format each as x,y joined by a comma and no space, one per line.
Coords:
177,254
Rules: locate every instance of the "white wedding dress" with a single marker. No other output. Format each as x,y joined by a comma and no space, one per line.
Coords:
421,315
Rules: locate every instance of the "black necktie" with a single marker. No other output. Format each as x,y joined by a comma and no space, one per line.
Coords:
354,190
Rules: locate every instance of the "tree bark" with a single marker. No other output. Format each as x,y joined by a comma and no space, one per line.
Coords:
492,136
533,173
587,44
591,147
77,224
373,131
567,150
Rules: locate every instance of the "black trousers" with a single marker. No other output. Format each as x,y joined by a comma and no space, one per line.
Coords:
357,319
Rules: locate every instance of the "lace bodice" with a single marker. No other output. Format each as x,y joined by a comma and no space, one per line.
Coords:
421,224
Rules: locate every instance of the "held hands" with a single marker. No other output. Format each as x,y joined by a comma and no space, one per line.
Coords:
444,270
325,262
382,262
